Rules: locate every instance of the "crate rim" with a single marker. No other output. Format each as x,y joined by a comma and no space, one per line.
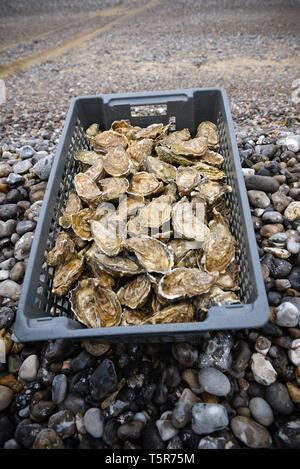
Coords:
257,312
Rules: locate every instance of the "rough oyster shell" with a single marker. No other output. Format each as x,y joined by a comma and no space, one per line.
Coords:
80,223
133,317
212,158
73,205
117,266
180,312
162,170
152,131
152,254
116,162
209,130
92,130
63,250
135,293
193,147
144,184
135,227
209,172
108,140
108,234
192,259
183,282
165,154
122,127
67,274
188,222
211,191
139,149
87,157
94,305
157,212
229,279
216,297
180,247
113,187
96,171
87,189
173,137
130,205
187,178
219,245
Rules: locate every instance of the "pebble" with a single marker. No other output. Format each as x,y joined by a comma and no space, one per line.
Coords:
23,246
47,439
241,356
262,345
8,211
214,381
258,199
294,352
6,397
182,414
29,368
278,397
5,170
217,352
96,348
294,392
261,411
166,429
22,167
272,217
82,361
262,369
43,167
208,418
104,380
11,444
261,183
287,315
10,289
41,411
190,376
7,228
59,388
280,201
18,271
24,226
130,430
26,152
4,275
250,433
26,432
185,354
287,436
151,438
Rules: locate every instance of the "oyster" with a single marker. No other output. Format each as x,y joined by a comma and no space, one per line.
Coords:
180,247
173,137
180,312
216,297
144,184
229,279
108,234
113,187
135,293
63,250
209,172
152,254
108,140
193,147
80,223
87,189
211,191
219,245
122,127
92,130
165,154
209,130
118,266
73,205
96,171
162,170
67,274
188,221
187,178
94,305
139,149
133,317
212,158
135,227
87,157
163,236
191,259
116,162
157,212
152,131
182,282
130,205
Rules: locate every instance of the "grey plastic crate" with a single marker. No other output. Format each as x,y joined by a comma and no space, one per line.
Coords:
184,108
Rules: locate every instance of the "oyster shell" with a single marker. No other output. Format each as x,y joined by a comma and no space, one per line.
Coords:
108,140
87,189
96,171
117,266
135,293
229,279
212,158
92,130
73,205
63,250
209,172
188,221
139,149
162,170
187,178
173,137
181,312
116,162
163,236
67,274
133,317
193,147
157,212
152,254
191,259
165,154
130,205
80,223
135,227
183,282
219,245
87,157
152,131
108,234
144,184
211,191
209,130
113,187
122,127
180,247
216,297
95,306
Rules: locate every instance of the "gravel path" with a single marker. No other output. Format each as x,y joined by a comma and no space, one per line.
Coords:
62,394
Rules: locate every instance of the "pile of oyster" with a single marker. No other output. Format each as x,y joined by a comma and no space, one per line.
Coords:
145,233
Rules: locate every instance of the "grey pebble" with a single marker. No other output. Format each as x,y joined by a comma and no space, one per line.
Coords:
94,422
208,418
214,381
59,388
261,411
22,167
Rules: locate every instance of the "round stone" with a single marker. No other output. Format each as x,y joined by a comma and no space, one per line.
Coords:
22,167
292,212
287,315
166,429
130,430
26,152
294,352
59,388
261,183
29,368
250,433
7,228
43,167
63,422
94,422
262,370
47,439
8,211
6,397
96,348
278,397
258,199
104,380
261,411
214,381
10,289
23,246
208,418
24,226
272,217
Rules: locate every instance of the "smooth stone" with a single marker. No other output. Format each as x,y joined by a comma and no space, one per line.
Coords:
272,217
43,167
11,444
82,361
26,152
175,443
258,199
8,264
8,211
22,167
59,388
288,435
63,422
292,212
294,352
217,352
4,275
6,397
166,429
17,272
267,231
42,410
294,278
208,418
214,381
262,345
26,433
23,246
24,226
94,422
10,289
262,369
5,170
190,376
241,356
287,315
261,411
7,317
104,380
130,430
151,438
60,349
47,439
294,392
14,179
278,397
261,183
250,433
29,368
96,348
182,413
7,228
185,354
280,201
74,403
14,364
